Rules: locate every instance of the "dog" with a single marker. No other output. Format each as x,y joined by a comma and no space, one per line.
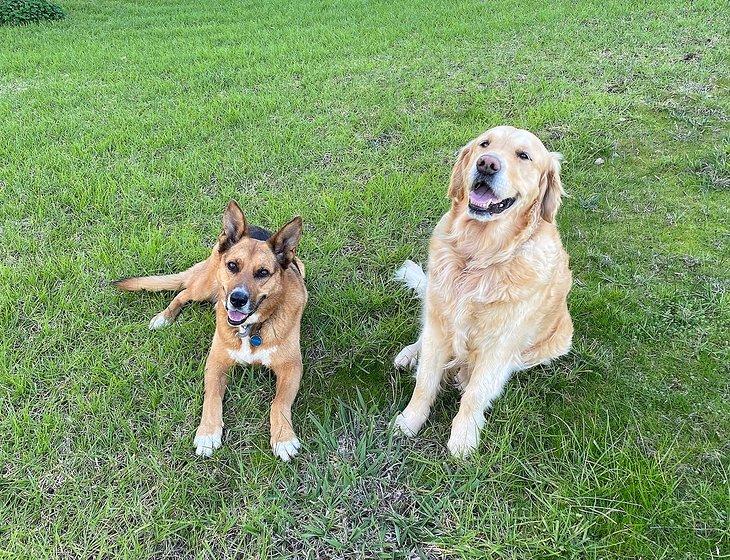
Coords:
257,284
495,297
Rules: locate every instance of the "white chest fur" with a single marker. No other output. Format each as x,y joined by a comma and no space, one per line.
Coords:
248,354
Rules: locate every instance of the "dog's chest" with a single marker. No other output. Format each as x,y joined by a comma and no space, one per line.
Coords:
463,289
248,354
471,302
467,289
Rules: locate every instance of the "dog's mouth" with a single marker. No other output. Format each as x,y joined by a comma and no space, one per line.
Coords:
484,202
236,318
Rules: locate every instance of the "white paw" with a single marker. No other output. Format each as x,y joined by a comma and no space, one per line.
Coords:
159,321
463,441
407,358
461,379
205,444
285,450
406,427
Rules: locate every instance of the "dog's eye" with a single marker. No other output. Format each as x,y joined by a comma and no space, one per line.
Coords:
523,155
232,266
484,144
262,273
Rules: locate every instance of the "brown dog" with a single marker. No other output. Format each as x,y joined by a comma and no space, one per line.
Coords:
498,278
258,286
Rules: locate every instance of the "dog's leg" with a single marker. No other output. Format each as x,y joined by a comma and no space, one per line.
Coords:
209,435
166,317
556,345
434,354
408,356
284,442
488,378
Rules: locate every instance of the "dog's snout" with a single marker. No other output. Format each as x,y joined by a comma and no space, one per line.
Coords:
238,298
488,165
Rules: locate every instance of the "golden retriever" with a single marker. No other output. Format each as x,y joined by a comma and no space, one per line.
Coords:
257,283
497,283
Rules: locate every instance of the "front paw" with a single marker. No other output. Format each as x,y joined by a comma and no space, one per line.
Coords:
464,440
207,440
159,321
286,450
407,424
407,358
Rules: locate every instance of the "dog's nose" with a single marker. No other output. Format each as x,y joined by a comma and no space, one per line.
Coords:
238,298
488,164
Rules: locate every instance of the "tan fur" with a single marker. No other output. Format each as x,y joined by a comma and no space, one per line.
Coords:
283,296
496,294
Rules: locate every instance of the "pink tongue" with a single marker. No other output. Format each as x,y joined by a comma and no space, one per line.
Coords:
235,316
482,198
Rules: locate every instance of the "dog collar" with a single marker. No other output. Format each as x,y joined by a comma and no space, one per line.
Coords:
253,334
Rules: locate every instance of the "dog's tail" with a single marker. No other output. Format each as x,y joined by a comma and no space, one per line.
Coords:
412,275
153,283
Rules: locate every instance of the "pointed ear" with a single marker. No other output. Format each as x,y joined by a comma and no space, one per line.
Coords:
456,184
234,226
552,188
285,241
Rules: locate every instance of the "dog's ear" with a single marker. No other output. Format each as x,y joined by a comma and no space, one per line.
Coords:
285,241
552,188
456,184
234,226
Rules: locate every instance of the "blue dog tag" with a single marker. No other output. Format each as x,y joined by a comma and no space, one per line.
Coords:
256,340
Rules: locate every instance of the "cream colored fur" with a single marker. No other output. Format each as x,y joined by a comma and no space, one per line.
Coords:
496,288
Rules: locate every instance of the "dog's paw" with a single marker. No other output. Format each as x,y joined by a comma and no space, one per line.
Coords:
286,450
461,379
159,321
407,358
206,441
463,441
405,426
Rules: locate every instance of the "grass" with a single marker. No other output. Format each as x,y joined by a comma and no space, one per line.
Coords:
128,126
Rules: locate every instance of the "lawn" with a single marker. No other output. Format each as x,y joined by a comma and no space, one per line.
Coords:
127,127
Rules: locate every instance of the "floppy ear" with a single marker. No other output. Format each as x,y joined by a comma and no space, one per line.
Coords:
553,188
234,226
285,241
456,184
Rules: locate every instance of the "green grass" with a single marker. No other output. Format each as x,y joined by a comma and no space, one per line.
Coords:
128,126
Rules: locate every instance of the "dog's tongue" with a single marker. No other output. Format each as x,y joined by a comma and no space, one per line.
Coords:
236,316
482,197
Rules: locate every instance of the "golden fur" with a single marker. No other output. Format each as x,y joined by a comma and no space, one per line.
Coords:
495,295
278,299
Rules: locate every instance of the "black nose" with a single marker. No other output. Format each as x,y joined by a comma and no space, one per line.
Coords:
488,164
238,298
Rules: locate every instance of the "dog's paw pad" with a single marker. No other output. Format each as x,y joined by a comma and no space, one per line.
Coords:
404,426
286,450
159,321
205,444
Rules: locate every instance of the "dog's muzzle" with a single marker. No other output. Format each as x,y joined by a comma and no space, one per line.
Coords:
483,201
239,307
